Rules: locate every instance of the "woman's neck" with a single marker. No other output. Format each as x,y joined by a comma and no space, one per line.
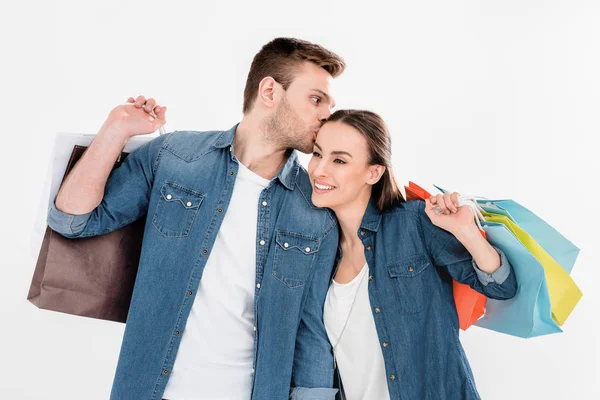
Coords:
350,216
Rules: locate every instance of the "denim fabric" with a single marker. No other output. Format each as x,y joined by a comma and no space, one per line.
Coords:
182,184
411,266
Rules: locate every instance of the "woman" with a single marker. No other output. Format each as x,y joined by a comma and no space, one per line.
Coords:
389,312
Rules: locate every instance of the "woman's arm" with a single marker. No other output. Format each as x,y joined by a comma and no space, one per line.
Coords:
455,244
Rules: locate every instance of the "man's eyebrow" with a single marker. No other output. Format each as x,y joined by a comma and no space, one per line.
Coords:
328,97
337,152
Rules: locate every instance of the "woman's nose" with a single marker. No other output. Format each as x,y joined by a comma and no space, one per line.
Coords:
321,169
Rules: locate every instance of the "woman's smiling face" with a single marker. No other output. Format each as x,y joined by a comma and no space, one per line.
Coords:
339,169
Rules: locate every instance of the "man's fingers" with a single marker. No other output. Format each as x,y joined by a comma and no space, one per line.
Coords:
161,112
149,106
139,101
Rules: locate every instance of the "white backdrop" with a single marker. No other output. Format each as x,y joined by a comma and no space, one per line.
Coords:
491,98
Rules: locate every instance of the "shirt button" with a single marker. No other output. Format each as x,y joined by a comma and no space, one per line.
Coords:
258,285
177,332
252,370
392,377
204,251
264,203
219,210
286,245
362,233
262,242
231,173
189,204
385,344
169,197
165,371
307,249
410,269
368,248
190,293
377,310
255,329
371,277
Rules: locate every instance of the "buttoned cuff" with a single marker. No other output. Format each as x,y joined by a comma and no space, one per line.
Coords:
498,276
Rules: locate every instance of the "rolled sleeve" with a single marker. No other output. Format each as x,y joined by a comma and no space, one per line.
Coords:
66,224
499,276
304,393
126,196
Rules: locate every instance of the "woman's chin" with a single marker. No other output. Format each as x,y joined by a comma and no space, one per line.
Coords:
319,201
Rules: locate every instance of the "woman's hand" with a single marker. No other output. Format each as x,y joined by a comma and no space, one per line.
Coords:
444,212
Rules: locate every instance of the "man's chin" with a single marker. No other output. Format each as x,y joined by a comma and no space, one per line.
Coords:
306,149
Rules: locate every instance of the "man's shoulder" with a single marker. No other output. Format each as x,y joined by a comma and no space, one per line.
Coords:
191,145
303,185
303,190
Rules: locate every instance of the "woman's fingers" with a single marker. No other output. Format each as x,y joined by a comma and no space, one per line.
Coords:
451,201
441,203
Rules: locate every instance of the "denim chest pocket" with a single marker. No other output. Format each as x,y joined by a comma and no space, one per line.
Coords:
412,280
176,210
294,256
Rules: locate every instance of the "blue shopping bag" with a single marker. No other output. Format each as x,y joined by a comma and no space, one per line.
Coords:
555,244
529,313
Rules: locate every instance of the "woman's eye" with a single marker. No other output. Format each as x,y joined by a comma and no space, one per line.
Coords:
337,160
316,100
316,154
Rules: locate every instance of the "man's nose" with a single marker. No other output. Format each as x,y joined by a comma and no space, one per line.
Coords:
326,113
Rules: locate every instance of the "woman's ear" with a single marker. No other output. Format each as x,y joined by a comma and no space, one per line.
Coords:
375,174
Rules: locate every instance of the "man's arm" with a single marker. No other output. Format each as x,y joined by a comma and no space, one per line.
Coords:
85,194
83,188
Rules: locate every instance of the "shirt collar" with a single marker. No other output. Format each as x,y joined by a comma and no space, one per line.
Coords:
372,217
287,174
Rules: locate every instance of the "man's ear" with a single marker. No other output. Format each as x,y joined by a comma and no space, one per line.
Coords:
267,91
375,174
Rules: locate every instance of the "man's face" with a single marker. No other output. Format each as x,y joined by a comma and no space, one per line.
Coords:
303,108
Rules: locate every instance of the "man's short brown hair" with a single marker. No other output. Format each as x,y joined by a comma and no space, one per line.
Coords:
280,59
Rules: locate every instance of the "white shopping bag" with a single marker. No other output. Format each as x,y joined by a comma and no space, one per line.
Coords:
61,153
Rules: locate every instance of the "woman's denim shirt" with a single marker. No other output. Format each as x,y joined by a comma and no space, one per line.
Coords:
411,266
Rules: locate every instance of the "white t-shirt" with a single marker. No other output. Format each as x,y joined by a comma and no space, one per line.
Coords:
358,353
214,360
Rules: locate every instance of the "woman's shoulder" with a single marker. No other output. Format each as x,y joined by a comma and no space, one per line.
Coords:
407,207
404,214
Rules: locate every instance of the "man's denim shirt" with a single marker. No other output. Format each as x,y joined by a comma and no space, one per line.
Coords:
411,266
182,184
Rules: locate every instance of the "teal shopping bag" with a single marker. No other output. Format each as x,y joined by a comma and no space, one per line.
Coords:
529,313
555,244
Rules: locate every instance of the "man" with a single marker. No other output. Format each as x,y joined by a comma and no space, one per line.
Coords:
236,260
